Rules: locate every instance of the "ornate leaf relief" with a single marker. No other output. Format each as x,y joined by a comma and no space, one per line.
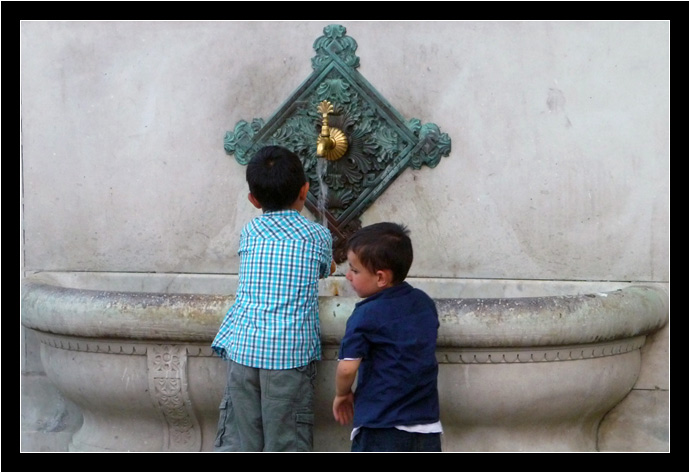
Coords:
335,41
239,141
380,144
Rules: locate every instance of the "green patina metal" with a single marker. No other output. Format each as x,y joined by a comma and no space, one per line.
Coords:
381,144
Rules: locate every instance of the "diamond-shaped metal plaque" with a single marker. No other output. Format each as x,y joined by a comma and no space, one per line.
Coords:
380,143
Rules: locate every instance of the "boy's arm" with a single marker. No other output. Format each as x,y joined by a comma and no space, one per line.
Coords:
322,269
345,375
343,404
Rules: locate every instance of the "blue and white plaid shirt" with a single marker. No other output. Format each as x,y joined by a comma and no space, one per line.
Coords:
274,322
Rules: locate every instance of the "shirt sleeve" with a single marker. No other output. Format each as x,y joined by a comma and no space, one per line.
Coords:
354,344
326,256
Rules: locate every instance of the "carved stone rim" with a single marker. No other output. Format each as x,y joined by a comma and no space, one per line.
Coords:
473,356
489,323
330,352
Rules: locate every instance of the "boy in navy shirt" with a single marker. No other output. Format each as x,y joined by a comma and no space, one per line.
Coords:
390,347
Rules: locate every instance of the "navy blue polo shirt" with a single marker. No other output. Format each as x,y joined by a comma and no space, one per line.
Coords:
394,333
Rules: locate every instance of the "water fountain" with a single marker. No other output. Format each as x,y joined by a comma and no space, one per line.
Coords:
366,145
526,373
519,370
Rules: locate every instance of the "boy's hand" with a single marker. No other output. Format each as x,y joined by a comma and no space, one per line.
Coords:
343,408
344,402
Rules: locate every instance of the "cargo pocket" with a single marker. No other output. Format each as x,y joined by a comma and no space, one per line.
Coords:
224,409
304,424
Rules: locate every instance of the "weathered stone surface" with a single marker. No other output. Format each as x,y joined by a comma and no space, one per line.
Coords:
640,423
518,374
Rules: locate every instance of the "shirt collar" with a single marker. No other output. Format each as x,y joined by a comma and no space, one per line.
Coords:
280,213
387,293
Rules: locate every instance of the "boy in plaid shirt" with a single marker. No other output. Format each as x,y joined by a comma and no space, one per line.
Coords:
271,334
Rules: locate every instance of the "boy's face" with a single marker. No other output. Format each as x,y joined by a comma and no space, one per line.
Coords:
364,282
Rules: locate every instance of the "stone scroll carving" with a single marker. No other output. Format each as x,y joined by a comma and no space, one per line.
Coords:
167,368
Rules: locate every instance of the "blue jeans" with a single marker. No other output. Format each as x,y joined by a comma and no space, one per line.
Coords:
267,410
395,440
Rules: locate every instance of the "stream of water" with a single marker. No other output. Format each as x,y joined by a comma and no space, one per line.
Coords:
321,168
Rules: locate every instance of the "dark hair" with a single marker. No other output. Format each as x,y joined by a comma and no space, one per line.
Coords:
383,245
275,176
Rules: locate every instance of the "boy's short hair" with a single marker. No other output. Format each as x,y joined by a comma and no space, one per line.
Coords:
275,176
383,246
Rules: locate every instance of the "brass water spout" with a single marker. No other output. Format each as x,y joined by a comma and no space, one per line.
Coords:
332,142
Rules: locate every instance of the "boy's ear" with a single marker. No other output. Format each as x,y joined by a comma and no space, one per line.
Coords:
304,191
253,200
384,277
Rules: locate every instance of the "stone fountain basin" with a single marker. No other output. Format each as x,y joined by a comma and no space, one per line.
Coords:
528,373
